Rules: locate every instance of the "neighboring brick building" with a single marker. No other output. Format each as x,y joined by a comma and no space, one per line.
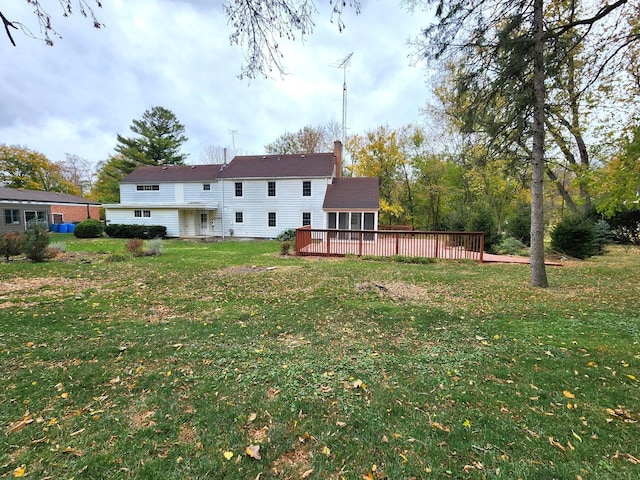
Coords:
20,207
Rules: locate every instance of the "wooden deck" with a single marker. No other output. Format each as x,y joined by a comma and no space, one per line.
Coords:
388,243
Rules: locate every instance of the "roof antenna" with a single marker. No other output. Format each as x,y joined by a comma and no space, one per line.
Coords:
233,140
343,65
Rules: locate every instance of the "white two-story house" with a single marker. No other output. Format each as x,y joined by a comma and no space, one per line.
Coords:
251,196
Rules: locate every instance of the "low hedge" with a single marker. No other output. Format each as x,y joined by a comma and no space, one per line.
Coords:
118,230
88,229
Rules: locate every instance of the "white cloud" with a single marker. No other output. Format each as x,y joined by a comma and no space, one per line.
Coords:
76,96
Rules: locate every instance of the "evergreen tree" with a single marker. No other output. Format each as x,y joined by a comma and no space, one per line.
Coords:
160,136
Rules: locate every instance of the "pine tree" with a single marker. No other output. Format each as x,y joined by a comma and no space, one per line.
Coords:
160,136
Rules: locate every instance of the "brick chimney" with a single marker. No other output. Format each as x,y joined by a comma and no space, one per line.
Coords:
337,152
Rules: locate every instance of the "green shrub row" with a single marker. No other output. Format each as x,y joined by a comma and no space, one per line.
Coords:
116,230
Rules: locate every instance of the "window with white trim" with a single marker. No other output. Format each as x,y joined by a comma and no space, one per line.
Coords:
306,218
206,187
272,219
271,189
147,188
306,188
238,190
239,217
12,217
142,213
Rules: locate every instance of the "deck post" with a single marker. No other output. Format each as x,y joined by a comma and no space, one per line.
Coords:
328,244
435,255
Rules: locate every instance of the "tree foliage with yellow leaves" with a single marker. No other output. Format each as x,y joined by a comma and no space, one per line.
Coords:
21,167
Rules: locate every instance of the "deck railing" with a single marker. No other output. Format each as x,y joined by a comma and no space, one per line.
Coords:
387,243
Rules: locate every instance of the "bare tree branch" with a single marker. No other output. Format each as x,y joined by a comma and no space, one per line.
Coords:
44,19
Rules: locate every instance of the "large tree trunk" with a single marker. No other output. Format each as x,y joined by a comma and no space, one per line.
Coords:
538,272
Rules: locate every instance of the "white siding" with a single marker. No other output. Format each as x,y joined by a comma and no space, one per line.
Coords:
129,194
193,192
255,204
168,218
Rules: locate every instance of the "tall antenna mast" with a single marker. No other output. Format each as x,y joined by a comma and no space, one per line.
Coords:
233,139
343,65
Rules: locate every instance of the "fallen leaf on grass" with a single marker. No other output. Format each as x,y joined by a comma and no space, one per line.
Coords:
628,456
252,417
20,424
228,455
568,394
439,426
253,451
326,450
553,443
20,471
73,451
632,377
307,473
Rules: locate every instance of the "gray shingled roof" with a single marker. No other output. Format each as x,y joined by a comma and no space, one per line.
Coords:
281,166
173,173
352,193
17,194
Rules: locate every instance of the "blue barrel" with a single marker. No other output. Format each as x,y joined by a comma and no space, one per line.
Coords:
71,227
63,228
55,227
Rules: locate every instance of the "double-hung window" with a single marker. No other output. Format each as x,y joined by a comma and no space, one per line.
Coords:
271,189
11,217
142,213
306,188
238,189
272,219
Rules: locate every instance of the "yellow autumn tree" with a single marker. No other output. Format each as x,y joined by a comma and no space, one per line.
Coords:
21,167
378,154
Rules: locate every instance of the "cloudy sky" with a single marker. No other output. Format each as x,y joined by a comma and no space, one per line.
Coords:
76,96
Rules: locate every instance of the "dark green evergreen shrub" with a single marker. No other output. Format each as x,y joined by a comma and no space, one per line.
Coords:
511,246
12,244
518,225
574,236
136,231
37,243
625,227
89,229
482,220
287,235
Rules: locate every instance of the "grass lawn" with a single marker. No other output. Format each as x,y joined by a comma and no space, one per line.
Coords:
181,366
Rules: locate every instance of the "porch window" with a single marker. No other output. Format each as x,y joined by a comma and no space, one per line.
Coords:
272,219
12,217
142,213
271,189
32,218
306,188
147,188
306,218
238,189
